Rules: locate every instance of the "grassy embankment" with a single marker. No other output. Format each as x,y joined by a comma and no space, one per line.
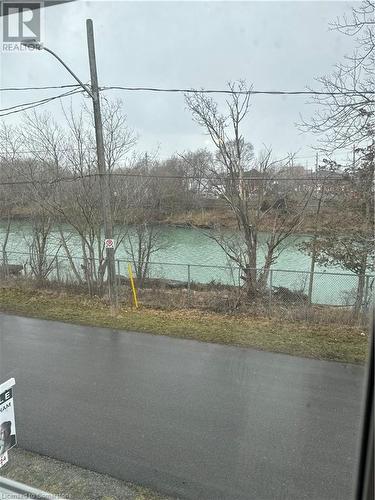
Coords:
69,481
333,342
224,217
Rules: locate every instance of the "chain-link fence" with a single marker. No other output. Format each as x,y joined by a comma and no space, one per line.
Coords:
322,296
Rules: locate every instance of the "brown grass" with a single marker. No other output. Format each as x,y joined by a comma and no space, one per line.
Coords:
334,342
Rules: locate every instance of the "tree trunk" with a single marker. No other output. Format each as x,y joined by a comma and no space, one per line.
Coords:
312,271
68,254
313,253
4,248
360,287
263,278
87,268
251,274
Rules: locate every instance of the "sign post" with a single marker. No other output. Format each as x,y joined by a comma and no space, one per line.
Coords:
8,437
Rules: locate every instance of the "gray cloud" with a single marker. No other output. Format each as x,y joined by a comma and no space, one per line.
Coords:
274,45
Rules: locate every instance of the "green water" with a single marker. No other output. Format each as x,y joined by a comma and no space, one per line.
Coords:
183,246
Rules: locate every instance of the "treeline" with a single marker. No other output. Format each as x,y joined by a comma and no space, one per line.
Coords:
49,171
48,174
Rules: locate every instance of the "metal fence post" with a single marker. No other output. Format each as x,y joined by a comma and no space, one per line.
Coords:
270,294
311,288
118,276
6,266
189,284
57,270
365,301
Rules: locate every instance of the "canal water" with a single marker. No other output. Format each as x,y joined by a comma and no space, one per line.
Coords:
191,252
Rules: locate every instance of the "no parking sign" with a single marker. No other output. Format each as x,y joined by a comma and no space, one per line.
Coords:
109,243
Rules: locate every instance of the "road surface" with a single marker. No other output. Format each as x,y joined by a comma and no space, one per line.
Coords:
194,420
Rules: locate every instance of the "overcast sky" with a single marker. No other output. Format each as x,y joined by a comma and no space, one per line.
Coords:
273,45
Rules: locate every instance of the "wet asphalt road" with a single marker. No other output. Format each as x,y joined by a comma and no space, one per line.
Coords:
199,421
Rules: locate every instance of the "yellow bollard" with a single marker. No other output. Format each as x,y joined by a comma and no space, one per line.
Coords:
132,285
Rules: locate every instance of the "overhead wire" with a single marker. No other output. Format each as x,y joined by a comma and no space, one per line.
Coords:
33,104
200,91
313,177
75,88
293,158
235,92
44,87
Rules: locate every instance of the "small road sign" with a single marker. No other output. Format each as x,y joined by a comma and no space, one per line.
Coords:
109,243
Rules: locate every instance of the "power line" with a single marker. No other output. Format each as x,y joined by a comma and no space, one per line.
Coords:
295,158
42,151
46,87
75,89
34,104
238,92
169,177
201,91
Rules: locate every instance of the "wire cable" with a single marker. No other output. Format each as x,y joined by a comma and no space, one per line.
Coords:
313,177
46,99
202,91
34,104
295,158
46,87
239,92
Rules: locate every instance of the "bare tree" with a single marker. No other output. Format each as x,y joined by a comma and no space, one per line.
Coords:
144,241
345,116
346,120
196,166
247,195
11,198
354,249
61,180
41,260
144,236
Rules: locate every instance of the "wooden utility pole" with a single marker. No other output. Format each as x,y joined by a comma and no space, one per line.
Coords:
315,236
103,175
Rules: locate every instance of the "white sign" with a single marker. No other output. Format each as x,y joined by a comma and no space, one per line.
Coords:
108,243
8,437
3,459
